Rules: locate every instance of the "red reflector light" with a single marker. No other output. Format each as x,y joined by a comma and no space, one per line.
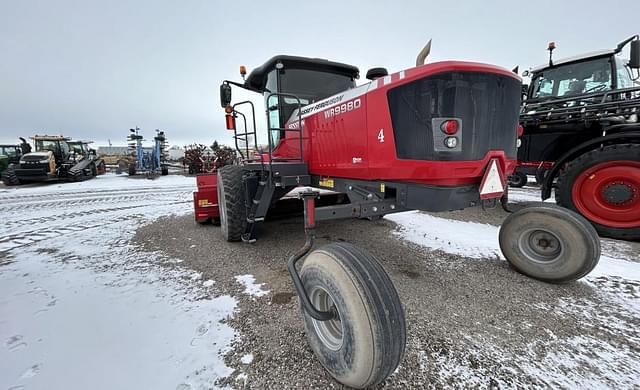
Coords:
520,131
449,126
231,125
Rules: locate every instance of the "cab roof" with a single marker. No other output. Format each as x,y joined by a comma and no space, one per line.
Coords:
257,79
578,58
80,142
50,138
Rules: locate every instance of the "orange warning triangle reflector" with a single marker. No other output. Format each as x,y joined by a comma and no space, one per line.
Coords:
492,185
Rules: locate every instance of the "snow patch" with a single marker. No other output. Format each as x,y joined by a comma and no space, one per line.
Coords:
247,359
79,303
250,286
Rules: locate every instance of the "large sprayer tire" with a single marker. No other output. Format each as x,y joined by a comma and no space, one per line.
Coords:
9,177
366,342
233,214
604,186
549,243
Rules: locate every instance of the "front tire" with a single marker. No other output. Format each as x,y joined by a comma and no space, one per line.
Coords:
604,186
233,214
365,344
549,243
518,180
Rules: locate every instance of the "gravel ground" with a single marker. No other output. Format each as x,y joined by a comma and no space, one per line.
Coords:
471,323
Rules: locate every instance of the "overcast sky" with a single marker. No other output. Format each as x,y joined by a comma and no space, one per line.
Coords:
93,69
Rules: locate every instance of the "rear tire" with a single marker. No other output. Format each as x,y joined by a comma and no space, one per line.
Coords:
587,183
518,180
94,170
233,214
164,171
132,169
549,243
366,343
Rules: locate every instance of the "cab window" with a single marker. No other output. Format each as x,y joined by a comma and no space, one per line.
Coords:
622,74
573,79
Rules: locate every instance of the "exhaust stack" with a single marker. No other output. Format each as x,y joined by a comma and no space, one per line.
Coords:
422,56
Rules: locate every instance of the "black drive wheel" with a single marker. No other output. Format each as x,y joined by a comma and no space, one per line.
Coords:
9,177
233,214
603,185
94,170
517,180
365,344
164,171
549,243
132,169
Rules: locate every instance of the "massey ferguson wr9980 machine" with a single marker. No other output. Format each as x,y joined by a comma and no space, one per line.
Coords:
435,137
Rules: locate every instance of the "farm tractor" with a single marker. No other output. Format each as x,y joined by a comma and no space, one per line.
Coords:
434,137
54,159
9,154
81,149
150,163
581,136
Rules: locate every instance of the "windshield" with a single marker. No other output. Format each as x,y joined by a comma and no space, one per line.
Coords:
308,85
573,79
8,151
77,148
57,147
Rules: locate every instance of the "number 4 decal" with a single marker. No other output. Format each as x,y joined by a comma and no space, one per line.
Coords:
381,135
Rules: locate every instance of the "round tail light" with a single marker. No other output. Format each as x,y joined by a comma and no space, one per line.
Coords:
449,127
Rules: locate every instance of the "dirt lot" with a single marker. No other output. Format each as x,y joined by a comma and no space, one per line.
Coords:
472,321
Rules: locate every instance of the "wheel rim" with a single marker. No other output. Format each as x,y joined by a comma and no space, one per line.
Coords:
329,332
609,194
540,246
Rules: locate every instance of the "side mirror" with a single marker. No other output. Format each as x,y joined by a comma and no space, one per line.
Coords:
634,54
526,73
225,95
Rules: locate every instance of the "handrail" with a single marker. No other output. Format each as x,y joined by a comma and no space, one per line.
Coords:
585,107
270,129
246,133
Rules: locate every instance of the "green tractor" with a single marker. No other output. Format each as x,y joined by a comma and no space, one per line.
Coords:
9,157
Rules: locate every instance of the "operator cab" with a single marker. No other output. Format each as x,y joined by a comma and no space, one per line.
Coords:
10,151
56,145
589,73
310,79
